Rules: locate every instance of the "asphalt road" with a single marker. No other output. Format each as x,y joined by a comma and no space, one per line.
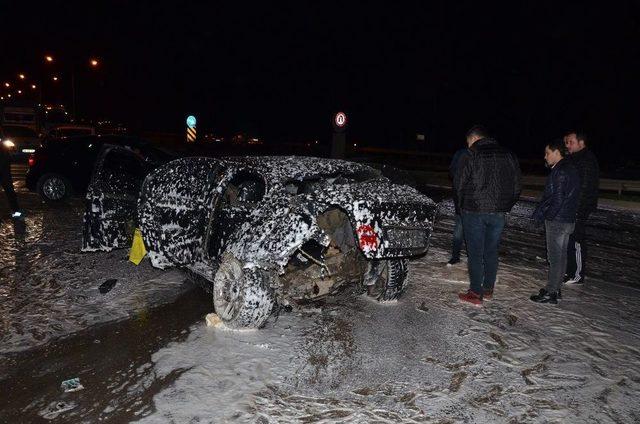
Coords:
142,351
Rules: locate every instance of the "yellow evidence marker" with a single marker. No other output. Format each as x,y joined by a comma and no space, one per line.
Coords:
138,250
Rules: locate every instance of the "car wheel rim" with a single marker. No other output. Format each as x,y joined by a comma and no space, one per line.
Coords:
227,289
54,188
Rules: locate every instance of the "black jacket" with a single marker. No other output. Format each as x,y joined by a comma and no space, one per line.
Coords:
489,178
561,193
587,165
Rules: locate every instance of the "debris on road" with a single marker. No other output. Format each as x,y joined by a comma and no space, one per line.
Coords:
107,285
71,385
56,409
423,307
213,320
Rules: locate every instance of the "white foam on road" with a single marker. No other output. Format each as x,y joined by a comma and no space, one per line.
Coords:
428,357
49,289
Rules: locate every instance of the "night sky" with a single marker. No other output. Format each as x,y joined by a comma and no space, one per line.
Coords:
527,70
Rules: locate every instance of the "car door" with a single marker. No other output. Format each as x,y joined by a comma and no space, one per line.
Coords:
175,207
111,202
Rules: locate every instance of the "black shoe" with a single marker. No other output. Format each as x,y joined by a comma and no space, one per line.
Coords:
545,297
453,261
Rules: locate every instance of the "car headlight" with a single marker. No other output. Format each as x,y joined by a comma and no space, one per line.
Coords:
8,144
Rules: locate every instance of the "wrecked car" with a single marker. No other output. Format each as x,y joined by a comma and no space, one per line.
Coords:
263,231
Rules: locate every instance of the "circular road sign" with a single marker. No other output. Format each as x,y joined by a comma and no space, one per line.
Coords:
340,120
191,121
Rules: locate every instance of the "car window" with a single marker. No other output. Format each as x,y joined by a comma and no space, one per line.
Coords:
16,131
123,171
244,188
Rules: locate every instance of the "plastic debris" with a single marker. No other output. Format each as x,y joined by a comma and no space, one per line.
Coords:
213,320
71,385
56,408
107,285
423,307
138,251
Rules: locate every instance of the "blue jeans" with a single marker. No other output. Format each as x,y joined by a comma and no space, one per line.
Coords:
482,232
458,238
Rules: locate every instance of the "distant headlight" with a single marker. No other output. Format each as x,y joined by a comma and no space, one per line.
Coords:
8,143
407,238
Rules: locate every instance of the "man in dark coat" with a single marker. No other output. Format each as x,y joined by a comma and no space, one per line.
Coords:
488,184
586,163
458,234
6,181
557,209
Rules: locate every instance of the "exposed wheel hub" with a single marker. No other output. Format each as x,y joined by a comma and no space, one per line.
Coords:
227,289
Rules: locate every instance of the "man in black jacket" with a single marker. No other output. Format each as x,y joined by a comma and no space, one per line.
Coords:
6,181
487,184
587,165
557,209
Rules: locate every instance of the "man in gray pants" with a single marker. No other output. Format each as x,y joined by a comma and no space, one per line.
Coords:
557,209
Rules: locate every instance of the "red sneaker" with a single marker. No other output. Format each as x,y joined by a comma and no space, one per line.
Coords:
471,297
487,295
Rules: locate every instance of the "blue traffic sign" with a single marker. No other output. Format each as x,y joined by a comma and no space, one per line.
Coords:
191,121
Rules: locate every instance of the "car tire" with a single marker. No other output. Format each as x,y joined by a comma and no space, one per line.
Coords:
242,297
54,188
390,276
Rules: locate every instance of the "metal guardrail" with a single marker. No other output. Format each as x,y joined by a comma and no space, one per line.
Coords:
619,186
606,184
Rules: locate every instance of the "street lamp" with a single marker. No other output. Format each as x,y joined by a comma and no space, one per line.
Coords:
21,76
55,78
19,91
6,84
33,86
94,62
48,58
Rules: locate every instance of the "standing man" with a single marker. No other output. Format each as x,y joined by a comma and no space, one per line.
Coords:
488,184
586,163
557,209
6,181
458,234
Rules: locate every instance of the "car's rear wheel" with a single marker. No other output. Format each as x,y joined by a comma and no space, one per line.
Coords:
54,187
242,297
389,277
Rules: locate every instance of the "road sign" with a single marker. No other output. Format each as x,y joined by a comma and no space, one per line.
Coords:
340,120
191,121
191,134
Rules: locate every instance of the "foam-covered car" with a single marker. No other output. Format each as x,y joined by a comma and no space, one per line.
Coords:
263,231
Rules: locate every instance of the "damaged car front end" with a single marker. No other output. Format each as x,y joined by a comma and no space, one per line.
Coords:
265,231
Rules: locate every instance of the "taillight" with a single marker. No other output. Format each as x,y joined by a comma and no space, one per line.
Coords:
368,238
32,161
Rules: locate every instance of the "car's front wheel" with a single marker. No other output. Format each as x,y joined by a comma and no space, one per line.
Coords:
242,297
388,278
54,187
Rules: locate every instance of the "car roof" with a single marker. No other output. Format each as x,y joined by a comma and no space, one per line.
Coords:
287,168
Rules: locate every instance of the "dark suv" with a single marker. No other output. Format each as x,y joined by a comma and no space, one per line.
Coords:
64,166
